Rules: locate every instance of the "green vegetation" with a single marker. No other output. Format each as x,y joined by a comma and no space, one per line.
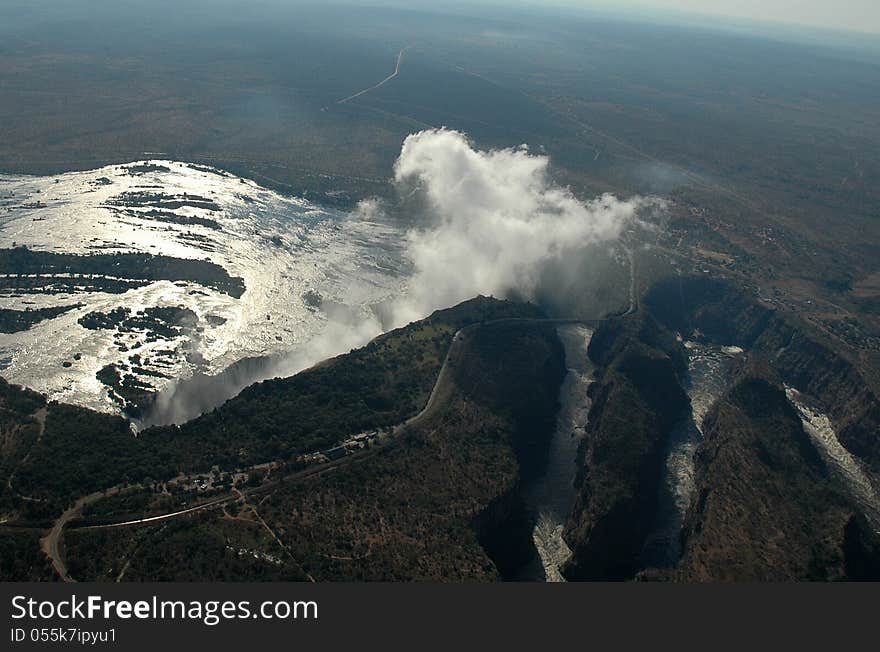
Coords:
766,508
636,401
125,382
54,269
19,429
159,200
159,322
206,549
13,321
21,559
771,170
431,506
756,174
804,355
19,400
173,218
82,451
379,385
425,508
376,386
127,389
439,502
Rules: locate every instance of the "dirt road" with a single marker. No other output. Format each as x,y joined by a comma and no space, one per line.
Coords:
381,83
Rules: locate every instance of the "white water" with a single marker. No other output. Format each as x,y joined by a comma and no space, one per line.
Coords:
282,247
708,378
551,497
818,426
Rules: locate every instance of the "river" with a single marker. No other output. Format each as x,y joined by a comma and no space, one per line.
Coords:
709,367
841,462
551,497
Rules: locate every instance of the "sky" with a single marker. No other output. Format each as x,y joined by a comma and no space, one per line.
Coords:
860,15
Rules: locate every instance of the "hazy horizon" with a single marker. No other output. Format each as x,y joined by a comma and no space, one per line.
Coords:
855,15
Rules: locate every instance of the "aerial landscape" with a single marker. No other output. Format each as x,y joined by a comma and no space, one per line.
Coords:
446,293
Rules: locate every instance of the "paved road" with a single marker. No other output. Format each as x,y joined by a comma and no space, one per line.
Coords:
441,384
50,544
232,497
438,392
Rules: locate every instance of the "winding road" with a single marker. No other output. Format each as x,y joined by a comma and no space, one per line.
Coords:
51,543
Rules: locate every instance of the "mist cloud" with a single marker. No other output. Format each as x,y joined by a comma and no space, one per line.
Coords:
486,222
494,220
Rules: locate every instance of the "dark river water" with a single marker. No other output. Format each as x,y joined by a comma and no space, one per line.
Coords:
551,497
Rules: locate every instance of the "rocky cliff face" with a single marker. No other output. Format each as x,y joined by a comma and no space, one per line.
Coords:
442,502
861,547
635,404
803,357
504,530
516,371
767,508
